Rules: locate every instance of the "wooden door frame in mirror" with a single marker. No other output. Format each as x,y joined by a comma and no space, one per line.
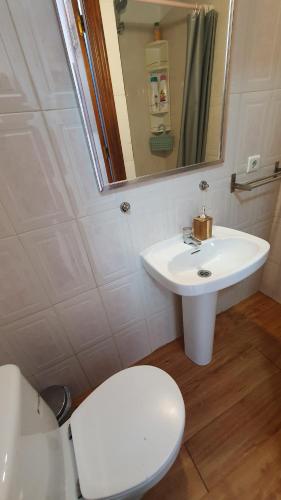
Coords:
90,25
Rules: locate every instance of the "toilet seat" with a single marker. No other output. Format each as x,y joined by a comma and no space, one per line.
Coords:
126,433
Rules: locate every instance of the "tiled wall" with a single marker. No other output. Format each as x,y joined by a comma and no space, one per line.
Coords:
75,304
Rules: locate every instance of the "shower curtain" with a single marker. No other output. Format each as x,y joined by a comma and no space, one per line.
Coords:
201,31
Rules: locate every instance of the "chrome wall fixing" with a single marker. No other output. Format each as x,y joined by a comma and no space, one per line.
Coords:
249,186
204,185
125,207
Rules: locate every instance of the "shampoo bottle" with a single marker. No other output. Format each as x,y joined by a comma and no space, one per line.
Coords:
156,32
163,94
154,90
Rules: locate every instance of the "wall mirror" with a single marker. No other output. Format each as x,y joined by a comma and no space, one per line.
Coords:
151,81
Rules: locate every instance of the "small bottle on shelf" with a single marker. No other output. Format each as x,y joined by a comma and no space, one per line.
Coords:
154,94
163,94
156,32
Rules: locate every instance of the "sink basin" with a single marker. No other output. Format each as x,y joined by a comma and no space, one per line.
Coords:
198,272
229,255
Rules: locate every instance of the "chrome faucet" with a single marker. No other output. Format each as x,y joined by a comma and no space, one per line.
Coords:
189,238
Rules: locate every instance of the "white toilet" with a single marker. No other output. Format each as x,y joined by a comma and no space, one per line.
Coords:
119,443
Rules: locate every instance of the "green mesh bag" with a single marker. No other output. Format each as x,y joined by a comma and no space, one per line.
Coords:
161,143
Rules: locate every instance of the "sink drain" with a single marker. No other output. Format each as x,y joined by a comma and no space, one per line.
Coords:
203,273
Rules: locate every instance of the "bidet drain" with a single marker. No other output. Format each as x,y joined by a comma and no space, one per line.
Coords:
203,273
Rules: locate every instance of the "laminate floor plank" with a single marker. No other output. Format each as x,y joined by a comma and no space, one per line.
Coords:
181,483
257,477
223,445
209,397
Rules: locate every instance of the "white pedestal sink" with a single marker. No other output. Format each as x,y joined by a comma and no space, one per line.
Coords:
197,274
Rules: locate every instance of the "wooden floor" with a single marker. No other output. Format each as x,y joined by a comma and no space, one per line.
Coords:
232,440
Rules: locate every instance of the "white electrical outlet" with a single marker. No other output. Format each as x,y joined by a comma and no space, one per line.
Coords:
253,163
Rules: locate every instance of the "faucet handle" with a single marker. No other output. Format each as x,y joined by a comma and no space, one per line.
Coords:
186,233
187,229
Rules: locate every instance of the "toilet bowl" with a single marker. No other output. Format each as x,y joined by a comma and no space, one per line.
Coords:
117,444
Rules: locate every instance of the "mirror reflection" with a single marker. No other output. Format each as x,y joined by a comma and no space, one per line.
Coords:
150,77
173,57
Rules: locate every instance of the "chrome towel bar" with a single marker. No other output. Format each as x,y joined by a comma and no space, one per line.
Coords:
249,186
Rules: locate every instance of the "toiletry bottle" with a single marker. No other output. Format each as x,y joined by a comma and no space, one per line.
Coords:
163,94
156,32
202,225
154,91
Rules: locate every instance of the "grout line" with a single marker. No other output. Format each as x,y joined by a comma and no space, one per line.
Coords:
196,467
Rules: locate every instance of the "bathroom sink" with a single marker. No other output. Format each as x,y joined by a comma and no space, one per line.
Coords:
228,257
198,272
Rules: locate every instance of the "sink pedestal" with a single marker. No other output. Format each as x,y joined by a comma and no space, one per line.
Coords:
199,317
221,261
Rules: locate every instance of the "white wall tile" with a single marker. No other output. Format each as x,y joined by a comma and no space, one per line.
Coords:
123,302
252,122
37,27
266,201
256,50
60,259
6,228
271,280
162,328
228,297
84,320
100,362
109,245
72,152
145,228
262,229
275,241
133,343
182,209
231,133
217,202
20,290
272,150
68,372
37,341
277,210
16,89
239,35
156,297
232,295
241,209
6,355
31,188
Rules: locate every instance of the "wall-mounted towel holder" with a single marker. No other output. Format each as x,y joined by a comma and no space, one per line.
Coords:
249,186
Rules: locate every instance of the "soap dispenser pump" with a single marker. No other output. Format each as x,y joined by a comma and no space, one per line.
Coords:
202,225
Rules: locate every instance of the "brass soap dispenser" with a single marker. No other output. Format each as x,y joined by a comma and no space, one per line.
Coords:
202,225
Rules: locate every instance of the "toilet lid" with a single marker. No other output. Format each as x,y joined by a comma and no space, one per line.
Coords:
126,431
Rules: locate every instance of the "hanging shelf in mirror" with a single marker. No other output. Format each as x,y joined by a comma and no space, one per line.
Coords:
157,67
